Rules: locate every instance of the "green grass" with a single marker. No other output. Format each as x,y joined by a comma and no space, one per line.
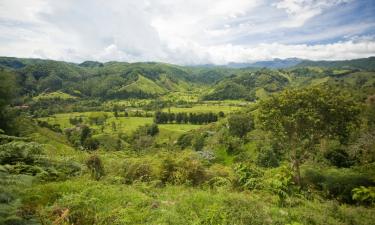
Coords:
123,124
261,93
169,132
145,85
53,95
91,202
319,81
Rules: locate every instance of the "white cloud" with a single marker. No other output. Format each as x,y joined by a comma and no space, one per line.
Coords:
174,31
299,11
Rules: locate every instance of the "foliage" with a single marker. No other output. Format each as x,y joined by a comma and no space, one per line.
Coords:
185,140
95,165
185,170
240,124
19,151
364,194
300,118
247,176
138,170
8,90
181,118
336,183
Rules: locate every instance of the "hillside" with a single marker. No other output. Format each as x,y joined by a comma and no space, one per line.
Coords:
362,64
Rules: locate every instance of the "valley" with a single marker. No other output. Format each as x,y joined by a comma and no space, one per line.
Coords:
156,143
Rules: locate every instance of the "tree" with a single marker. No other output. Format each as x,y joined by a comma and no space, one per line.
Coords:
240,124
198,143
301,118
115,111
91,144
152,129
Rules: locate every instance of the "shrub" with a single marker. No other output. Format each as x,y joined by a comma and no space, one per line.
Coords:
240,124
184,170
142,143
138,170
19,151
198,143
247,176
185,140
336,183
95,165
339,157
364,195
267,157
91,144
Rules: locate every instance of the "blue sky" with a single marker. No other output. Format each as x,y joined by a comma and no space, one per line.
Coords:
187,32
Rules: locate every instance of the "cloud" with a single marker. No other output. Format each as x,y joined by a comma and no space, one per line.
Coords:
184,32
299,11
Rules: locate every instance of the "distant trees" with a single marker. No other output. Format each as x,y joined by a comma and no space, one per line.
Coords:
299,119
144,136
8,89
181,118
81,136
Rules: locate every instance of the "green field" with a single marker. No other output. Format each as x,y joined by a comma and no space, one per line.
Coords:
204,108
122,124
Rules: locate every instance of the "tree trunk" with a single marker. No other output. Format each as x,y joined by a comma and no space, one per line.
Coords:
297,175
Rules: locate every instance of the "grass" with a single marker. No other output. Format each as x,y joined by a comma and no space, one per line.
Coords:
319,81
54,95
170,132
145,85
123,124
91,202
261,93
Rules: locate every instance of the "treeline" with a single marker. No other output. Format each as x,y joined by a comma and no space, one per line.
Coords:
193,118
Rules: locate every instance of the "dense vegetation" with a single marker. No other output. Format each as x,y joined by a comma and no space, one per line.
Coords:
153,143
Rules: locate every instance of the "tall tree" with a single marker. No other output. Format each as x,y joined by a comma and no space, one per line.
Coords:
300,118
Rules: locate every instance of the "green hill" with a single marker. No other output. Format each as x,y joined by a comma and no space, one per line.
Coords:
362,64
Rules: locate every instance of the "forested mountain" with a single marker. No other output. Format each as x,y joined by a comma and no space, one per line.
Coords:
272,64
121,80
363,64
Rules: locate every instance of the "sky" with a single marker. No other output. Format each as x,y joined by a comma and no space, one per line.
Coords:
187,32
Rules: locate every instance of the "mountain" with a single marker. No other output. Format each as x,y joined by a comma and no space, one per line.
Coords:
362,64
102,80
245,85
273,64
122,80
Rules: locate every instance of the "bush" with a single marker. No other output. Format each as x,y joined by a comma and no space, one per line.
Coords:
267,157
185,140
336,183
339,157
247,176
183,170
138,170
95,165
91,144
240,124
198,143
364,195
19,151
